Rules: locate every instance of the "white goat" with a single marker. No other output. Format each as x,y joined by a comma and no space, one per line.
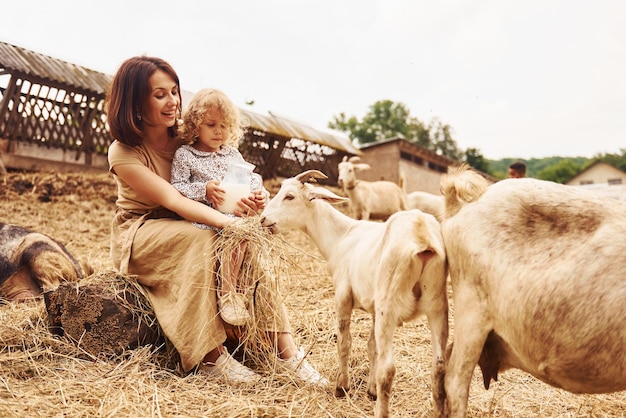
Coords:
615,192
537,271
394,270
369,199
426,202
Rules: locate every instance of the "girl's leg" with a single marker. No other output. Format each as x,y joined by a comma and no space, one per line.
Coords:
231,270
232,304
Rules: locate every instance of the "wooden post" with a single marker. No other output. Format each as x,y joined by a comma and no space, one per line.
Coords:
102,316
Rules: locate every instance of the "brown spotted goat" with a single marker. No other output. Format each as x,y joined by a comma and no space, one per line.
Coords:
537,271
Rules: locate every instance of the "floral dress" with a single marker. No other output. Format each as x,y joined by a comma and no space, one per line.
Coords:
192,169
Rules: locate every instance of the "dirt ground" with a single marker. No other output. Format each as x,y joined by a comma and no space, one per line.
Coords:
42,375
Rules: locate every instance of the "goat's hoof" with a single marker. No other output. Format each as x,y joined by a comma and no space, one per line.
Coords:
340,392
371,395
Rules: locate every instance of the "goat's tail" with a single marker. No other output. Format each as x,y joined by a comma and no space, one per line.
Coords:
461,186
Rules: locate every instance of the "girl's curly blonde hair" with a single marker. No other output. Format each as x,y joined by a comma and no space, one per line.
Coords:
195,115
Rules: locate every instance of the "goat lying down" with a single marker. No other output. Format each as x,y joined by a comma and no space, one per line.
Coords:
31,263
537,271
394,270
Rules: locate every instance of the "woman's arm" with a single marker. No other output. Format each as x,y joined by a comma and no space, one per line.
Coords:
148,184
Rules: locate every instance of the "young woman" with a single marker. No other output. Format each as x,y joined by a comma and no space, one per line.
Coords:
152,235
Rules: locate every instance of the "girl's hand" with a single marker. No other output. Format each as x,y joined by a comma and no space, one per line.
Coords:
214,193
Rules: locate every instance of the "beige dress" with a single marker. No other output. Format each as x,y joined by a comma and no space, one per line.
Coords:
171,259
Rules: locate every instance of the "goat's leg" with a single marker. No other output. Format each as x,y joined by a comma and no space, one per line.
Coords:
471,327
437,315
343,308
372,354
385,326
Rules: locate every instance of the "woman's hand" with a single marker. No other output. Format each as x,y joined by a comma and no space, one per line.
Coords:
249,206
260,198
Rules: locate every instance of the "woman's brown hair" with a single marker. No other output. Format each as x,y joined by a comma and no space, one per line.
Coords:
127,93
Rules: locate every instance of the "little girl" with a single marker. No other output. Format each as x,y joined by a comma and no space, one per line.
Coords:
212,129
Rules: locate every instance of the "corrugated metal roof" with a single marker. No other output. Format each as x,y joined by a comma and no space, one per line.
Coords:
291,129
16,59
28,63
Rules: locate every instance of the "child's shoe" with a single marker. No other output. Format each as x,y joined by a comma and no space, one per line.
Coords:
233,309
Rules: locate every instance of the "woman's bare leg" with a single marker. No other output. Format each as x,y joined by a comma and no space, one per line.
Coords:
212,356
285,345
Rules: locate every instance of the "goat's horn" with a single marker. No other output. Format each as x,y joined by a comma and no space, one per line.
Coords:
309,176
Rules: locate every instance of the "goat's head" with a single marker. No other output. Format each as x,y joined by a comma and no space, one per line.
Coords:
347,171
290,208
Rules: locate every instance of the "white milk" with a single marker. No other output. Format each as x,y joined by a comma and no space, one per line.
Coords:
234,193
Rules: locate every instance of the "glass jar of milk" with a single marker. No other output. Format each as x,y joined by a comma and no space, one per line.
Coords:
236,183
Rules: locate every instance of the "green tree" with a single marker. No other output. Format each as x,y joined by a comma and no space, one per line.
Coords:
475,159
346,124
387,119
418,133
441,140
561,171
616,160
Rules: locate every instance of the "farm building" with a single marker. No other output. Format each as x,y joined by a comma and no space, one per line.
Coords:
597,175
422,169
603,179
52,118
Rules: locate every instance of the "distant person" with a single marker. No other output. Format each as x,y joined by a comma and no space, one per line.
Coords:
517,170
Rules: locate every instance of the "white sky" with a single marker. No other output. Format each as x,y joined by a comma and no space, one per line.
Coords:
519,79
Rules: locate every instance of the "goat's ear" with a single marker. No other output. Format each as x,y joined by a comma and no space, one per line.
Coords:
354,159
310,176
344,159
325,194
361,166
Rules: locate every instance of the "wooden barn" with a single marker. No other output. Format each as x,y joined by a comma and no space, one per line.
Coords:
52,118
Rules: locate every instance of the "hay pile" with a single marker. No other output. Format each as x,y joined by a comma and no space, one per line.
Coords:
43,375
268,264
